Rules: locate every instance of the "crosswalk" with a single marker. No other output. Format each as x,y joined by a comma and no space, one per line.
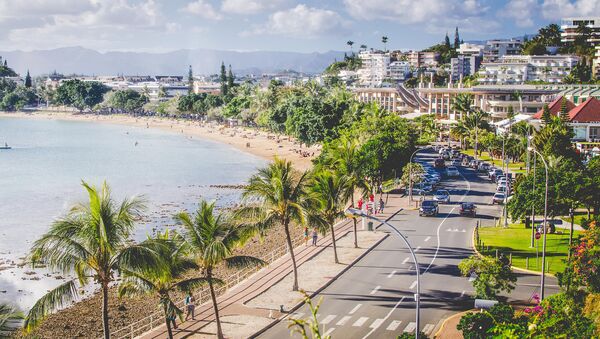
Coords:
331,322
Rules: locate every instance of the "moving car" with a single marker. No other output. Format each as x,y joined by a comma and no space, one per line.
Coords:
456,162
452,172
428,208
441,196
468,208
498,198
439,163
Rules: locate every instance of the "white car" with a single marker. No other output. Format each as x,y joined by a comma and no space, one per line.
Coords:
441,196
456,162
452,172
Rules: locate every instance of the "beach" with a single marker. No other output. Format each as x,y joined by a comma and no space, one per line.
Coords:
254,141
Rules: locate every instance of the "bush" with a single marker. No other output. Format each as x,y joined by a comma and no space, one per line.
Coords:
475,325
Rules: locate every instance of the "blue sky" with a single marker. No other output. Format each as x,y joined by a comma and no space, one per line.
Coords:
278,25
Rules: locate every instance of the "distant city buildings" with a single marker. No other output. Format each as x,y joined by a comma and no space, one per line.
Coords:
496,49
570,29
519,69
464,65
378,70
423,59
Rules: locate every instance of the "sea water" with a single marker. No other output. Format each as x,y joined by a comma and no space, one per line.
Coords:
40,178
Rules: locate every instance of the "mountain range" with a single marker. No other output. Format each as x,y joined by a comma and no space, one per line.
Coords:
79,60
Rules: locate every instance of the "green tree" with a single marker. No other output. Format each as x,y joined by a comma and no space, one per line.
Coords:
564,111
9,319
491,275
80,94
447,41
561,316
223,79
384,40
210,239
283,195
546,115
329,190
475,325
93,240
28,80
350,43
456,39
190,80
128,100
164,280
534,47
463,104
230,79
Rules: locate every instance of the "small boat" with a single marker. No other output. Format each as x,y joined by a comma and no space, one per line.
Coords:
5,146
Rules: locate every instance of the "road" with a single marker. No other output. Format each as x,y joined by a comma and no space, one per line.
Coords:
375,297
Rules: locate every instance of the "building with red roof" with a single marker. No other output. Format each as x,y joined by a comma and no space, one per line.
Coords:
554,107
585,120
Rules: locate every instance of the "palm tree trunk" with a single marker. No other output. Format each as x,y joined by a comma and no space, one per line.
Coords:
214,301
169,331
288,238
335,256
354,221
105,310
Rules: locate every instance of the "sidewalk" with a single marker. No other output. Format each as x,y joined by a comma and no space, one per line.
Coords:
234,303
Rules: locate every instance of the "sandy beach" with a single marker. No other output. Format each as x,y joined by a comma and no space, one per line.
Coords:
259,143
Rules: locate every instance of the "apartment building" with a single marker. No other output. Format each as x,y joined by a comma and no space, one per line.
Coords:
391,99
569,27
470,49
496,49
399,70
464,65
519,69
423,59
374,69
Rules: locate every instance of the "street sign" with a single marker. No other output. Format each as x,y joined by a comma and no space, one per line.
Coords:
538,235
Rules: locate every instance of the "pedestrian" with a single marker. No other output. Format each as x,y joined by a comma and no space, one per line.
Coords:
315,236
171,319
190,307
371,198
360,204
380,205
305,236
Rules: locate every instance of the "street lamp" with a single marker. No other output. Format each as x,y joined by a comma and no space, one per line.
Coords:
545,228
355,213
410,183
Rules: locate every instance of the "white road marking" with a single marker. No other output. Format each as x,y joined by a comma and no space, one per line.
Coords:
360,321
427,239
392,274
387,315
343,321
375,290
410,327
418,248
413,285
328,319
328,332
298,315
394,325
355,309
405,261
376,323
462,294
428,328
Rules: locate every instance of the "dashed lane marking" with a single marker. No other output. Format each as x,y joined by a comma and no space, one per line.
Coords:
413,285
328,319
392,273
405,261
375,290
427,239
343,320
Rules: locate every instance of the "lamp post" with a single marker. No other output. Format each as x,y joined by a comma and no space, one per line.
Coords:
544,226
354,213
572,216
533,203
410,182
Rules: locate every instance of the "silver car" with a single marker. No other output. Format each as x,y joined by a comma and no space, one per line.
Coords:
442,196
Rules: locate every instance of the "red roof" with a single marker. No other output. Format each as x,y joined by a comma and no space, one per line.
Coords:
554,107
588,111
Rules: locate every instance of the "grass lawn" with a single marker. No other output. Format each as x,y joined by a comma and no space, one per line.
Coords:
485,156
516,240
578,218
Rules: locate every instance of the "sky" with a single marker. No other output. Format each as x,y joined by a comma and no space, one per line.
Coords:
274,25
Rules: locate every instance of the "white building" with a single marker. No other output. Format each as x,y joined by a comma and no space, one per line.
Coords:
399,70
471,49
464,65
518,69
495,49
569,27
374,69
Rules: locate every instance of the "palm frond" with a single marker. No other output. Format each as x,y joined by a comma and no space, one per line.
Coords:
53,300
243,261
9,319
191,284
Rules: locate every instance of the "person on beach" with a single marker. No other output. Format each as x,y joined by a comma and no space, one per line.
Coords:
380,205
190,307
305,236
315,236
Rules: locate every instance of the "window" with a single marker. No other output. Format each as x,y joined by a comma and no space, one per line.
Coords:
580,132
594,133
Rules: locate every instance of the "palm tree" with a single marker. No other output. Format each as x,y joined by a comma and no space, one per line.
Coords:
93,240
210,240
163,281
350,43
9,317
330,193
283,199
463,103
384,39
344,159
475,121
460,132
363,47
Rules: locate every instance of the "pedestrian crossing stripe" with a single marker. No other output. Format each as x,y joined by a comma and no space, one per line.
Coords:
410,327
343,321
394,325
328,319
377,323
428,328
360,321
328,332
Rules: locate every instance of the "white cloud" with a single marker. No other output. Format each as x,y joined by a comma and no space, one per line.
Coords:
203,9
556,9
302,21
250,6
434,15
522,11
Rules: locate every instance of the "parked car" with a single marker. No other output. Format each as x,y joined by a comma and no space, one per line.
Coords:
495,174
439,163
442,196
498,198
456,162
468,208
428,208
474,164
501,189
452,172
483,167
425,187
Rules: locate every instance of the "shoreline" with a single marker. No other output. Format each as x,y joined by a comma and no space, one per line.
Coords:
253,141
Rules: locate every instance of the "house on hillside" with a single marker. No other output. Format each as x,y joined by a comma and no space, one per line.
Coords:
583,118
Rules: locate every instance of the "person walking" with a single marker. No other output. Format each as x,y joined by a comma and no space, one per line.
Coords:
190,307
315,236
171,319
381,205
305,236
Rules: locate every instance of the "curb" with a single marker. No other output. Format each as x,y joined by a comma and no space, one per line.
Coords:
512,267
439,331
329,282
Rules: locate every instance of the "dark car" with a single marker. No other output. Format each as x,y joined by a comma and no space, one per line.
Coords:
439,163
468,208
428,207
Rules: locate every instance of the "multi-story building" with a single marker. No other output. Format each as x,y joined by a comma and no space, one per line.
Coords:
399,70
596,62
464,65
570,29
374,69
423,59
495,49
397,99
584,118
519,69
471,49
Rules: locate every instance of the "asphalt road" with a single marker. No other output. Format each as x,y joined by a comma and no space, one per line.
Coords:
375,297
